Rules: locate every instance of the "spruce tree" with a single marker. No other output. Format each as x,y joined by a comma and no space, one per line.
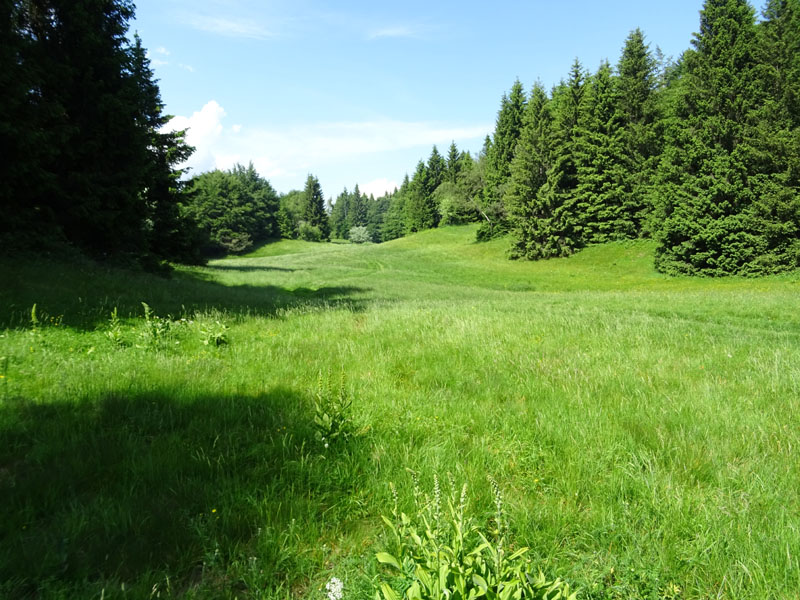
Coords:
453,163
437,171
339,215
528,174
358,209
557,230
721,211
421,211
605,206
314,213
499,152
638,103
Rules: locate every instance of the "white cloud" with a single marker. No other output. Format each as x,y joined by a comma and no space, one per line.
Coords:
162,51
290,152
189,68
379,187
204,132
231,27
157,62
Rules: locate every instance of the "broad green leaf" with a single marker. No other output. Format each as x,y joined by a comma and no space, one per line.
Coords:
387,559
480,582
389,593
414,592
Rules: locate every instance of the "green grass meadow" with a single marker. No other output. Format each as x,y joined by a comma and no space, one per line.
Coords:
645,430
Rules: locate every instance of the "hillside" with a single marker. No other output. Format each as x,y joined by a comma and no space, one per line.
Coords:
642,428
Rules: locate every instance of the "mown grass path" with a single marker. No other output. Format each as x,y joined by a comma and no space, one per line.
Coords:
644,429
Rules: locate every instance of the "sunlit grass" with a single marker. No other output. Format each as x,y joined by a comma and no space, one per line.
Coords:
644,429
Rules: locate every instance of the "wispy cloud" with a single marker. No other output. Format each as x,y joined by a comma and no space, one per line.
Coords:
230,27
162,51
398,31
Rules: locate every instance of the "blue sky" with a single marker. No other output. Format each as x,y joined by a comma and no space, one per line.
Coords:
358,92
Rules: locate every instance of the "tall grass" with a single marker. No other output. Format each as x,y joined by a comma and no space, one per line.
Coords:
644,429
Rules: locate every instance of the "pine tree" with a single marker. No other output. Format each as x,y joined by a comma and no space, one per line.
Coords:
339,215
557,229
638,103
529,170
314,213
437,171
420,210
453,163
358,209
720,211
394,221
605,207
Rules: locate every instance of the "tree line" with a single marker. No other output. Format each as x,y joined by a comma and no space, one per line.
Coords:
701,154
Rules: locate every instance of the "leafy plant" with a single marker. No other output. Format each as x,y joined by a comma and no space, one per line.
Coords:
214,333
114,331
156,329
332,407
437,555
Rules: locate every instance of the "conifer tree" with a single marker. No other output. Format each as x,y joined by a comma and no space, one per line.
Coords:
638,104
605,207
721,211
437,171
421,211
453,163
499,152
314,208
339,215
393,225
358,209
529,170
557,230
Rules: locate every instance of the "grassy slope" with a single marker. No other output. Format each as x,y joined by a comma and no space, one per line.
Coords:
644,428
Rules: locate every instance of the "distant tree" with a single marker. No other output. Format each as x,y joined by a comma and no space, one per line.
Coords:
394,221
454,163
315,219
357,216
437,171
234,209
339,215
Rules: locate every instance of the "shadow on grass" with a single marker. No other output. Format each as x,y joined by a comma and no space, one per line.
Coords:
82,296
134,488
248,268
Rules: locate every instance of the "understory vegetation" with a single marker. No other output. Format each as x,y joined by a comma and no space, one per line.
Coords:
237,431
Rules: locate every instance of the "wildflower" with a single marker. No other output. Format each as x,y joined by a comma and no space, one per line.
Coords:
213,510
335,589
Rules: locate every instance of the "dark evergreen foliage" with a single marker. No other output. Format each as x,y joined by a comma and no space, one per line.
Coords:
315,225
80,118
606,206
721,211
